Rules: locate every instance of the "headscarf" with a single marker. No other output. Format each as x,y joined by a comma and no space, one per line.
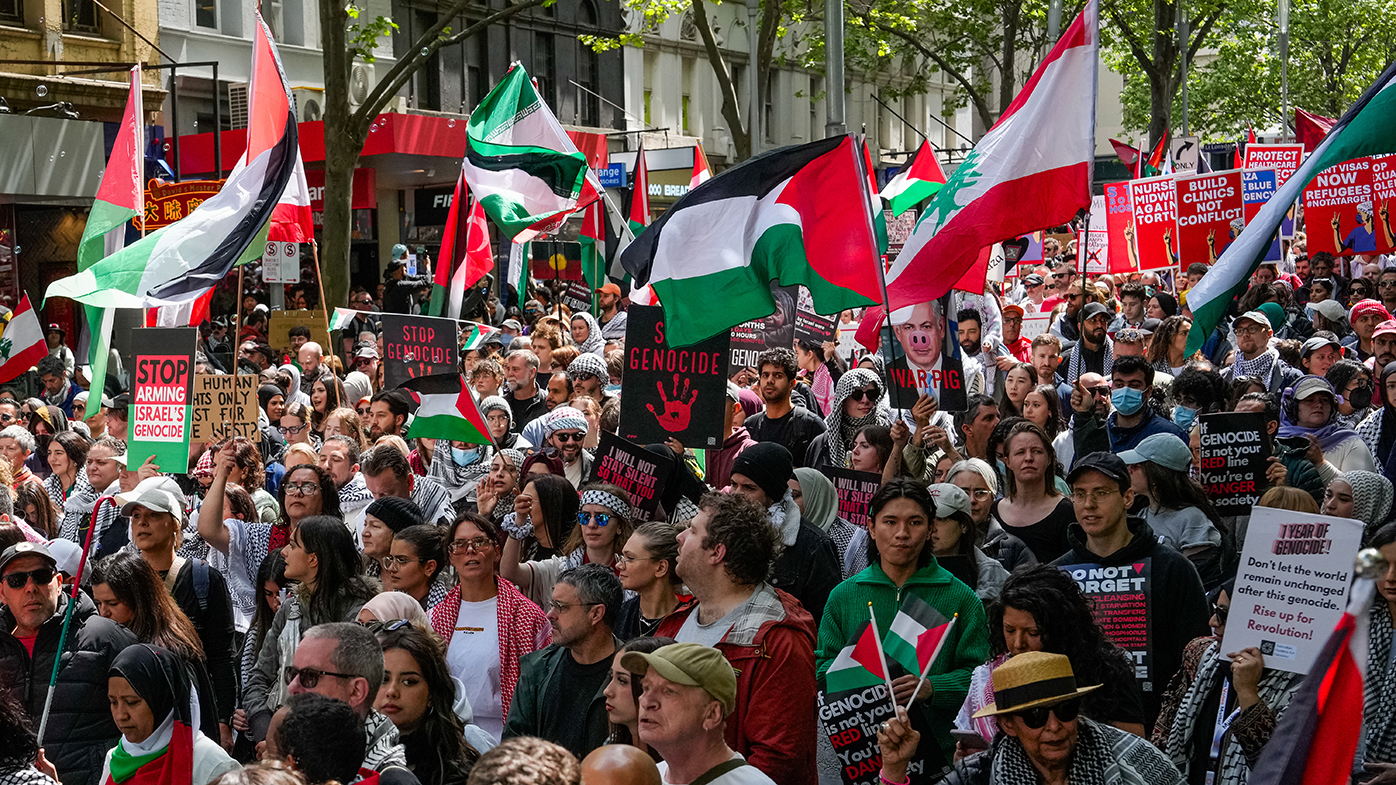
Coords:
1371,497
456,478
356,388
682,483
1329,435
166,756
840,427
594,344
590,364
1388,418
750,400
821,501
393,605
265,393
295,394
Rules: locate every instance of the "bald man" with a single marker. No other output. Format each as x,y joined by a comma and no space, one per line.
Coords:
619,764
312,370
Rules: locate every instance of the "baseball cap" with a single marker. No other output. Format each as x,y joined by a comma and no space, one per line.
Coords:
1106,463
1387,327
1164,449
1318,342
1032,279
609,288
512,324
690,664
399,252
1093,310
54,328
122,401
1018,309
67,555
1150,326
155,500
1310,386
949,499
1254,316
27,548
367,350
734,393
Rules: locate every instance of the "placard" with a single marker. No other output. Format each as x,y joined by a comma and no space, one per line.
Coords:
639,472
1384,200
1155,221
810,326
925,357
1338,210
224,406
280,324
1257,186
1121,601
281,262
750,339
1119,220
1035,324
416,346
1096,258
577,297
850,719
1292,585
1211,214
671,392
1283,158
161,387
855,491
1235,455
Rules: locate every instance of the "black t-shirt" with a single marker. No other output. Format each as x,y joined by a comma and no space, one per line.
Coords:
570,693
1045,538
528,409
795,430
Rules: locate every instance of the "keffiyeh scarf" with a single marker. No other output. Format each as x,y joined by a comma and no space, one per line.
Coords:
1103,756
1379,692
517,618
1078,367
453,477
840,427
1259,367
594,344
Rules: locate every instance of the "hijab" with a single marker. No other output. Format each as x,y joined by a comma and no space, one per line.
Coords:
295,393
1387,438
821,502
166,757
393,605
1329,435
840,427
594,344
1371,497
266,392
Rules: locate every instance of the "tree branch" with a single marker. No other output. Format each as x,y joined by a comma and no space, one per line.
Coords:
740,135
971,91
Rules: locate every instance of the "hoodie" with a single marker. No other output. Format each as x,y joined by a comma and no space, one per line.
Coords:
719,462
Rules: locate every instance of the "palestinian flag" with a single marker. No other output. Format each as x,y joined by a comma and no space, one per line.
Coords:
22,343
916,635
465,255
639,211
1157,161
452,236
342,317
1365,129
859,665
478,334
796,214
178,263
919,180
446,410
879,215
593,240
520,164
701,171
1127,153
291,221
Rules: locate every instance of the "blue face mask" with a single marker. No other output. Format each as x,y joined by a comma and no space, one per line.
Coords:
1183,417
612,389
1127,400
464,457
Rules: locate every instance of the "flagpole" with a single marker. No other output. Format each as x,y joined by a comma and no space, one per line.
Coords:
881,273
882,658
320,281
927,667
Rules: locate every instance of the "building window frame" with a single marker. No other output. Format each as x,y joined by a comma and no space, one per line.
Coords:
12,12
82,17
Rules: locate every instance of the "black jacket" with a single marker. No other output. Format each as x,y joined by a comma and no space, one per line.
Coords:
1179,608
80,729
213,621
809,569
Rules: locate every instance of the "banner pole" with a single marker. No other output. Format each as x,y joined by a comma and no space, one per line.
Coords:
882,658
320,281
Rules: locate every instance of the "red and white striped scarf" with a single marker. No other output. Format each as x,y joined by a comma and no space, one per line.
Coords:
518,620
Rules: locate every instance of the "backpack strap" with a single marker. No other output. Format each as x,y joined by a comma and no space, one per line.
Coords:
201,569
719,770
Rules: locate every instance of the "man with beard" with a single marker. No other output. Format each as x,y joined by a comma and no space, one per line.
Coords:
1257,359
782,422
566,428
387,415
525,399
923,367
612,318
312,368
1383,347
970,327
589,376
387,473
339,456
1094,352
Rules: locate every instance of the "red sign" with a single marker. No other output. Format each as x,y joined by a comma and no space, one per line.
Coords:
1119,220
1338,210
1283,158
166,203
1384,198
1155,221
1210,215
363,197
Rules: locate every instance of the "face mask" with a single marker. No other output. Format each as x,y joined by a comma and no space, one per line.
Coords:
1360,397
1183,417
613,389
1127,400
464,457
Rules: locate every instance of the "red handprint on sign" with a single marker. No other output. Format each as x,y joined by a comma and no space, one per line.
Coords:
677,411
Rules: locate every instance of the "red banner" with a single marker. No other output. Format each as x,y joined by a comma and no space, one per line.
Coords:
1155,221
1119,220
166,203
1338,210
1283,158
1384,198
1210,215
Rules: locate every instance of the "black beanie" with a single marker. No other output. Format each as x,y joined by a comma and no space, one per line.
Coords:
769,465
397,513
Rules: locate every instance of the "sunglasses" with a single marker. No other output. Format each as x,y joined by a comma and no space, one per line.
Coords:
472,545
601,519
570,437
1066,711
43,576
872,393
310,676
1220,611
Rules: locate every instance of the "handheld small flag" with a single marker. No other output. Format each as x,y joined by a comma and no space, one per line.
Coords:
446,410
882,658
857,665
701,171
916,634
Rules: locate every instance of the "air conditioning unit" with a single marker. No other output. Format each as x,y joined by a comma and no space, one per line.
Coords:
310,103
237,104
361,80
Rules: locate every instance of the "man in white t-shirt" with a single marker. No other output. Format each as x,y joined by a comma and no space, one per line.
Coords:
689,690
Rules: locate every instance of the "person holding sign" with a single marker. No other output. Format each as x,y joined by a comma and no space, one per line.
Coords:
1179,511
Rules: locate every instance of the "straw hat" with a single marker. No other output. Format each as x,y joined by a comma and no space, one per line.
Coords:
1032,679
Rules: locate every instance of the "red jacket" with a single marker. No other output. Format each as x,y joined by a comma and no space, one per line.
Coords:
772,651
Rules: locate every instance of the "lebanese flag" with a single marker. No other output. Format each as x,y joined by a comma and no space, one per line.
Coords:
446,410
290,219
1011,183
701,171
796,214
639,211
22,343
919,180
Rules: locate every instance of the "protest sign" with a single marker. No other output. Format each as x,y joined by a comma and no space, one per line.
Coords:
224,406
1155,217
750,339
1338,210
899,230
855,490
671,392
1384,199
1119,221
1235,451
577,297
637,471
810,326
1035,324
160,393
1121,600
1292,585
1283,158
850,719
1096,257
1210,215
280,324
848,342
1257,186
925,358
416,346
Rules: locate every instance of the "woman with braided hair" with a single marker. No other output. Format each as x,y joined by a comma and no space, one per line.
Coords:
855,405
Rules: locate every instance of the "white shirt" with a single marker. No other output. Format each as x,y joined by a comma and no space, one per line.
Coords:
473,657
742,775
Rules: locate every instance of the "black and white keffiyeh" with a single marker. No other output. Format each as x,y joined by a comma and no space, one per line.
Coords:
1379,692
595,343
609,500
1078,367
840,427
1259,367
1103,756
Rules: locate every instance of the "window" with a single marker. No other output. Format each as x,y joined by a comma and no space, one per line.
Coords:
587,15
768,115
476,73
648,93
206,13
12,11
81,16
816,86
588,105
545,68
684,117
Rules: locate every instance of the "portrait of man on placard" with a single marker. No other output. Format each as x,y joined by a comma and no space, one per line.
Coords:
925,358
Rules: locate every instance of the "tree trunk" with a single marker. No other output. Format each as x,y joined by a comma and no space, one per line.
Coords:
342,148
1008,66
1163,87
731,111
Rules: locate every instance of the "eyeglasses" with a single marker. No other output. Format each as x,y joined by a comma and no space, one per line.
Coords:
561,607
8,418
292,430
302,488
398,561
1387,284
1249,330
569,437
1098,495
475,544
1220,612
981,493
43,576
871,393
310,676
1066,711
601,519
622,559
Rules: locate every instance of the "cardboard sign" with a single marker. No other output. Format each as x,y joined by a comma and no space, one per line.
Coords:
416,346
639,472
1235,448
224,406
161,388
1155,221
1119,221
750,339
849,348
671,392
810,326
1283,158
1257,186
1121,599
281,262
1210,215
1292,585
855,490
1384,200
1096,258
850,719
925,357
1338,210
281,322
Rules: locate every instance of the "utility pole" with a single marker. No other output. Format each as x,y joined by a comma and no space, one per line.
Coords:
753,124
1284,70
1054,22
1183,36
837,122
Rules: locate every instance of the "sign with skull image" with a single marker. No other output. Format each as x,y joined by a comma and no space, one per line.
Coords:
671,392
925,357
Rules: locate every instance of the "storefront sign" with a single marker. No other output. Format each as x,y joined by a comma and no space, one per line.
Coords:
166,203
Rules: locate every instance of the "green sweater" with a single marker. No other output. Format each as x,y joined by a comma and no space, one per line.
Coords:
847,609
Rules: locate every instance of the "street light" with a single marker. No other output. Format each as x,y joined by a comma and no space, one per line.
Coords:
1284,70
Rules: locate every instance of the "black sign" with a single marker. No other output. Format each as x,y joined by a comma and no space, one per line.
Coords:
431,205
750,339
850,719
855,490
1235,452
637,471
577,297
924,357
671,393
1121,597
416,346
810,326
